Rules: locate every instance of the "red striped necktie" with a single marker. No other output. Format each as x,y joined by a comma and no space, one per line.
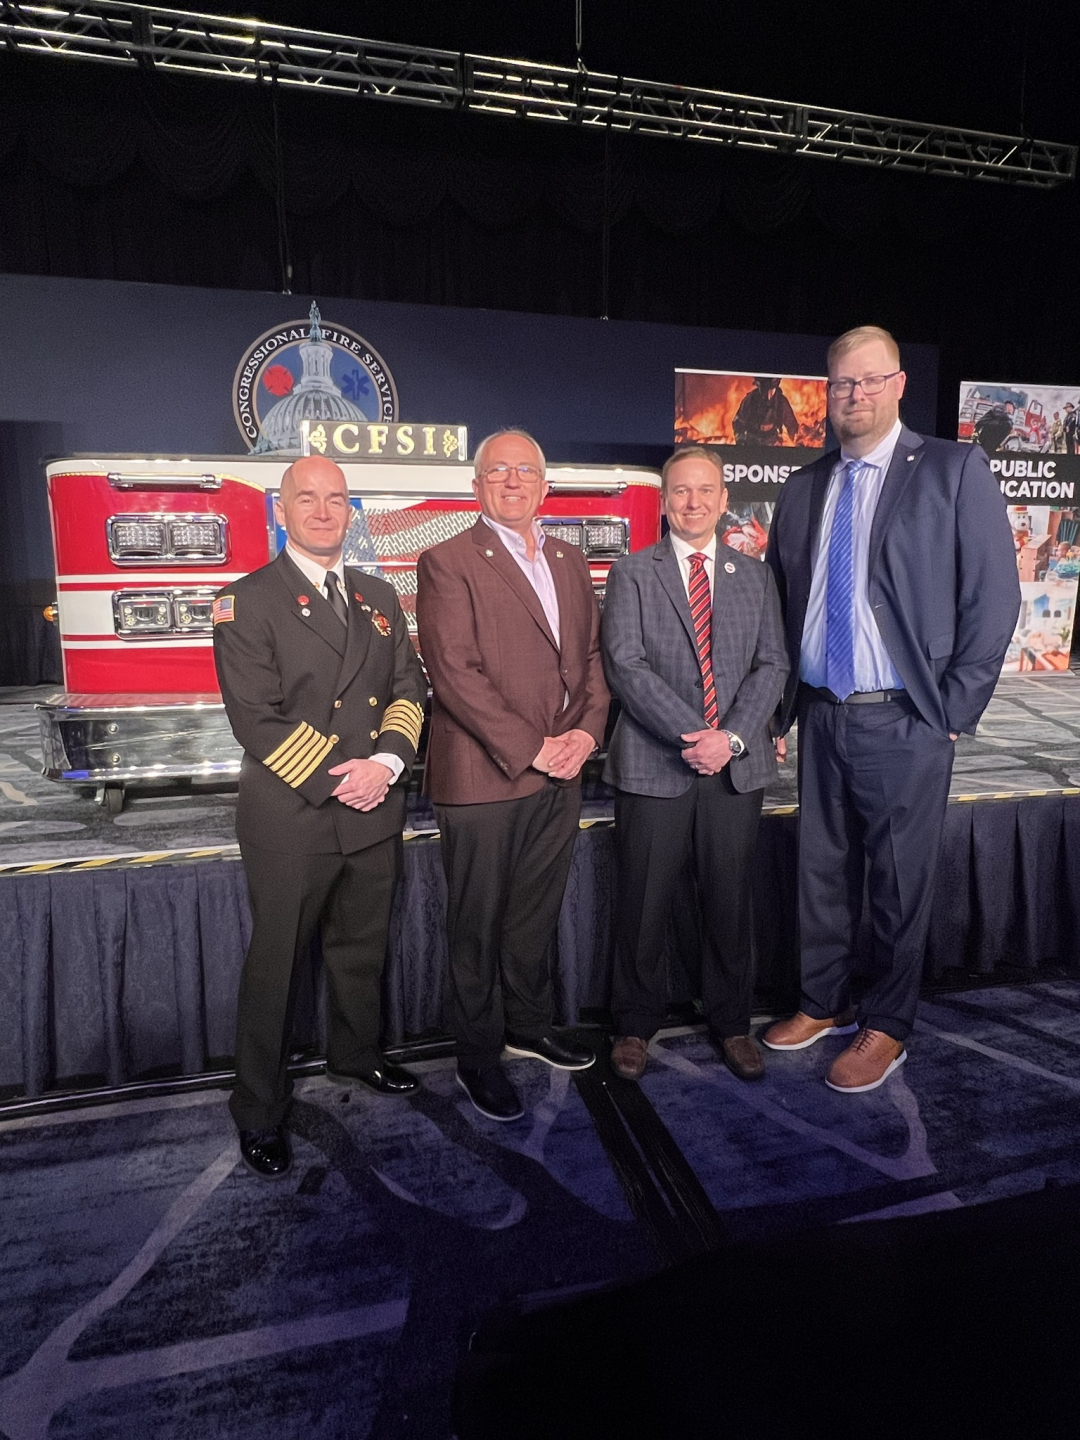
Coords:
701,614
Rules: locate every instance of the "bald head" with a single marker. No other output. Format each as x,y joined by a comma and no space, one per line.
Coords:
314,509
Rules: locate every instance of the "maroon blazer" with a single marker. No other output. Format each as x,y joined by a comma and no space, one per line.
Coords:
497,676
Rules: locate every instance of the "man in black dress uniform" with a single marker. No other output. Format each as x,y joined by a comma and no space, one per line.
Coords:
325,693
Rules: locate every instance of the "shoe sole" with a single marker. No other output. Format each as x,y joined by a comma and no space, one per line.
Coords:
502,1119
555,1064
860,1089
804,1044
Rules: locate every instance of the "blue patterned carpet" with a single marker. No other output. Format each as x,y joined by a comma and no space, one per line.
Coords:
153,1288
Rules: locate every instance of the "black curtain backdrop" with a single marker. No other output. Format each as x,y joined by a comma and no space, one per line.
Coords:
110,174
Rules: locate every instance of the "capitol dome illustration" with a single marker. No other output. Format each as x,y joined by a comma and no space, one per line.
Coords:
316,397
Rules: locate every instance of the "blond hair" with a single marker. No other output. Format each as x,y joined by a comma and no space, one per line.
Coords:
862,335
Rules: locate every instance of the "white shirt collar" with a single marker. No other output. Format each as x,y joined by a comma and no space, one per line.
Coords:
513,539
683,551
881,453
313,571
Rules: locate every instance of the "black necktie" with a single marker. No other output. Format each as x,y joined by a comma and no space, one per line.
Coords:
337,600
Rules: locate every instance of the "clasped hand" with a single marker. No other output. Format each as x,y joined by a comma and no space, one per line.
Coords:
708,751
365,783
562,756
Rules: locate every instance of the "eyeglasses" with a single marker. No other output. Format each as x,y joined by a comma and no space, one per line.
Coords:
501,473
869,385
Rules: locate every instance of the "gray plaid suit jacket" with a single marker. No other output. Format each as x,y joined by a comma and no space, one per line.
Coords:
650,659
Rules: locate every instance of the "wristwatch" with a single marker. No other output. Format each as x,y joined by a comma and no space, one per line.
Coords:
737,746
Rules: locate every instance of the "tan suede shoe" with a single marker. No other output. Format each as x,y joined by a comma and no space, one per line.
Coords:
628,1057
803,1030
865,1063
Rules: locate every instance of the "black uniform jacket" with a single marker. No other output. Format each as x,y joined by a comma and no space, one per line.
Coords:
303,694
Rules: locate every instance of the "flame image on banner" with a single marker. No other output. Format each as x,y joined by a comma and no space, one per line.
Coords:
721,408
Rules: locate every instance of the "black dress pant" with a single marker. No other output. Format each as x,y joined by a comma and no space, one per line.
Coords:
712,827
290,895
873,786
506,865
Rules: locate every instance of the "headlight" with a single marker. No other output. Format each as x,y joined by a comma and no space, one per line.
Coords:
142,614
136,538
568,530
166,539
163,612
607,538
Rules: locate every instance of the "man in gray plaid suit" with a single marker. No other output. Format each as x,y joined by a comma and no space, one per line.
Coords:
693,647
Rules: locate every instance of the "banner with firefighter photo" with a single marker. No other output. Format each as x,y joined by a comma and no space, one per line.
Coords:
1031,434
765,426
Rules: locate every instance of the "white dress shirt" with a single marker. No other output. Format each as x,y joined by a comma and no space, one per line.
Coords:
874,669
316,573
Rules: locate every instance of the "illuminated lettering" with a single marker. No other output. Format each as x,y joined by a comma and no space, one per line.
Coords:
377,438
405,442
339,438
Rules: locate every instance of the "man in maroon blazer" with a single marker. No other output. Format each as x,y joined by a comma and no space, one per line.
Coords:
510,632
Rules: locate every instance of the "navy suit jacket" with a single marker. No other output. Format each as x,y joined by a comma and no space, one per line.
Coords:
942,574
650,658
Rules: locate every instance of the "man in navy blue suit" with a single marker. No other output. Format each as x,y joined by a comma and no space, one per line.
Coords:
897,576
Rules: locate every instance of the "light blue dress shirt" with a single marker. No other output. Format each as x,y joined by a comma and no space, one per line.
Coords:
536,571
874,669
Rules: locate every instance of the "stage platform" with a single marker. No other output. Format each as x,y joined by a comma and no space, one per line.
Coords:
123,935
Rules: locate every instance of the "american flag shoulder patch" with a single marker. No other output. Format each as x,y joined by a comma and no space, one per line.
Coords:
223,608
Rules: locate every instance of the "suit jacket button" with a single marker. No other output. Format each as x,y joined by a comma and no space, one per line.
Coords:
372,699
334,739
374,734
337,704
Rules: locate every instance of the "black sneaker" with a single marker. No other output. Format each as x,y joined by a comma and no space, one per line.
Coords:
564,1055
490,1092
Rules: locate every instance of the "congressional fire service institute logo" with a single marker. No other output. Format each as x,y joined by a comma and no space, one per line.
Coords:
309,371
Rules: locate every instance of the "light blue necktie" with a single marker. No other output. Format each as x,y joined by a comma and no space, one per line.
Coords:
840,590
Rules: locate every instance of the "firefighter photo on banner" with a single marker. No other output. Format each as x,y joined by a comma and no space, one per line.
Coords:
765,426
1031,434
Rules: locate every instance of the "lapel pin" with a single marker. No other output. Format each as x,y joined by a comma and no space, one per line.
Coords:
558,554
303,599
366,607
729,567
357,596
305,611
489,553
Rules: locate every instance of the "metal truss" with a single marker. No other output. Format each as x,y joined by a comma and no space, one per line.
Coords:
208,46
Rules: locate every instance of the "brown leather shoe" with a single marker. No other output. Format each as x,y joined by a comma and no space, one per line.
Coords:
803,1030
742,1057
628,1057
865,1063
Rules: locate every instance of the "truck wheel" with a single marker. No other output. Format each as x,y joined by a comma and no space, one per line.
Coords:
112,799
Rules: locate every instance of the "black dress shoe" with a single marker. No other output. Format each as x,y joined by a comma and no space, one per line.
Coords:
560,1053
266,1152
384,1079
490,1092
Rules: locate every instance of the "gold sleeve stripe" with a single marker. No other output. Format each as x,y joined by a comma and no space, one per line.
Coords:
300,766
315,759
297,757
406,717
302,732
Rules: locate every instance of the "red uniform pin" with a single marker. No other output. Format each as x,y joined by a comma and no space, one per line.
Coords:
358,597
303,599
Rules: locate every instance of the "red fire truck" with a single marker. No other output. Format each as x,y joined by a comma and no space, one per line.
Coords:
143,543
